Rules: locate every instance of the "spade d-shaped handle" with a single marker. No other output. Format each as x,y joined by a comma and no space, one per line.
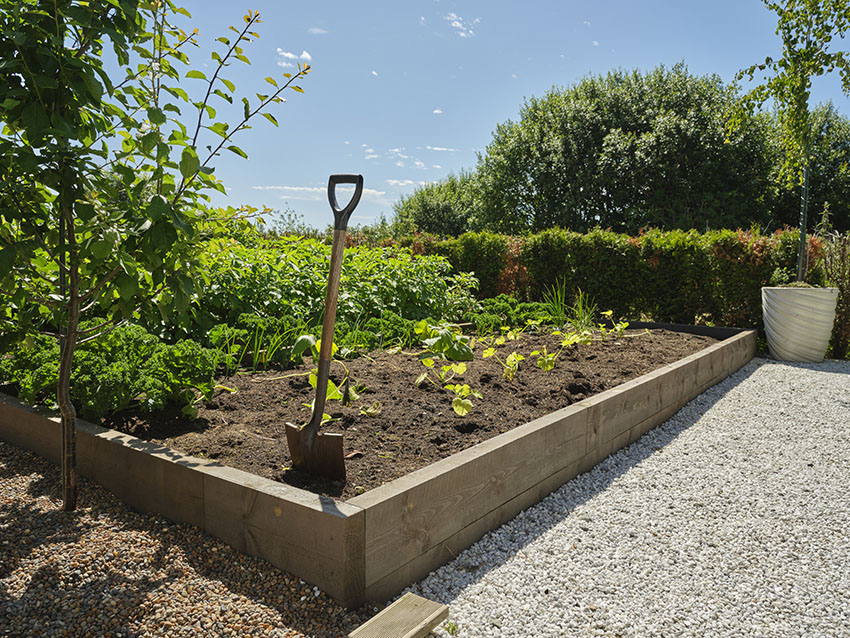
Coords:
341,215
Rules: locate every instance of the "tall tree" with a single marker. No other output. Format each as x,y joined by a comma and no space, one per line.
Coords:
626,150
103,181
807,29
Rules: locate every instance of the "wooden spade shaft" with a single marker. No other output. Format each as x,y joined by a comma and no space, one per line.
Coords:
331,297
311,451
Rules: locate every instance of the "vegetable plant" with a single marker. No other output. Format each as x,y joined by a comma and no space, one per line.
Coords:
510,365
443,341
442,375
461,403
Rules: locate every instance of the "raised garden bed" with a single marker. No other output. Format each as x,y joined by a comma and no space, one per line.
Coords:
372,545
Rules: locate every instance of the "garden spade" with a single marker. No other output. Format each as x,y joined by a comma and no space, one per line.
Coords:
313,451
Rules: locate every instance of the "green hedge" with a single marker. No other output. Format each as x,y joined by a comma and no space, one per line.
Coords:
677,276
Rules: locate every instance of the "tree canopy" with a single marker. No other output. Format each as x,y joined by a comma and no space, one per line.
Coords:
629,150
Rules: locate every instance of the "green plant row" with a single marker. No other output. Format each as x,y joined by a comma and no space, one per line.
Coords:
279,277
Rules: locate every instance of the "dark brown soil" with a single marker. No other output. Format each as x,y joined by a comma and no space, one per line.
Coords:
415,426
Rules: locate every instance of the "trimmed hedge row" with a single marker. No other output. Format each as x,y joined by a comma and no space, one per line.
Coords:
676,276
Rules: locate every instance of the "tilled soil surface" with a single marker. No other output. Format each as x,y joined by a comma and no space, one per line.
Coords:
243,426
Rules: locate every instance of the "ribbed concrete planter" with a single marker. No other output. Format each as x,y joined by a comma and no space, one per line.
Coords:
374,545
798,322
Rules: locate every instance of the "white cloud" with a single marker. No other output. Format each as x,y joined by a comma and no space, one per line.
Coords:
462,27
364,146
373,156
442,149
375,73
369,150
436,166
595,43
347,142
284,57
369,194
317,31
399,163
437,111
307,189
418,164
422,20
397,152
317,193
587,23
400,182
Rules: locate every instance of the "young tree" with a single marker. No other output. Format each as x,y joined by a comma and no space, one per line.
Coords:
102,182
807,29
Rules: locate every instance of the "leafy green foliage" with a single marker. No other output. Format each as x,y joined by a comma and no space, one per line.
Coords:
808,30
625,151
287,277
461,402
443,208
127,366
103,185
482,254
443,341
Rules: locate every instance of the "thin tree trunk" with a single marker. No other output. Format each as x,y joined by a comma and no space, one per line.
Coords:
802,253
63,389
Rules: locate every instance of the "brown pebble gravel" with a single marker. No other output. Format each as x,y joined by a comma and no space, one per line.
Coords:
107,572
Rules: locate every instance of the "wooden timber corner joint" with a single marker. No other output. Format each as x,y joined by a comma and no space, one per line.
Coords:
411,616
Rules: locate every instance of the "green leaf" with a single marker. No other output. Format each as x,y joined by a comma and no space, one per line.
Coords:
270,118
238,151
189,162
372,410
163,236
157,208
461,406
101,249
194,73
230,85
127,286
156,116
7,259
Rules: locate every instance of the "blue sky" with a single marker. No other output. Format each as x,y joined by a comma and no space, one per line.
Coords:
406,92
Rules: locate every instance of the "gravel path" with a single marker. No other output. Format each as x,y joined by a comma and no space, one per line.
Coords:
106,572
731,519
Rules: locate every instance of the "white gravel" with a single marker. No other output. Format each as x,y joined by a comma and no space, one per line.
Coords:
730,519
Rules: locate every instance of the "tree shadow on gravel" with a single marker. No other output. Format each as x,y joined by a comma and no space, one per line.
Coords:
523,529
74,571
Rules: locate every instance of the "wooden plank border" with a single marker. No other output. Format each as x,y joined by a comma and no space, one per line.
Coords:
418,522
374,545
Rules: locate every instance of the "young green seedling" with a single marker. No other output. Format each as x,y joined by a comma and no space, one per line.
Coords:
510,365
545,360
443,375
461,403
